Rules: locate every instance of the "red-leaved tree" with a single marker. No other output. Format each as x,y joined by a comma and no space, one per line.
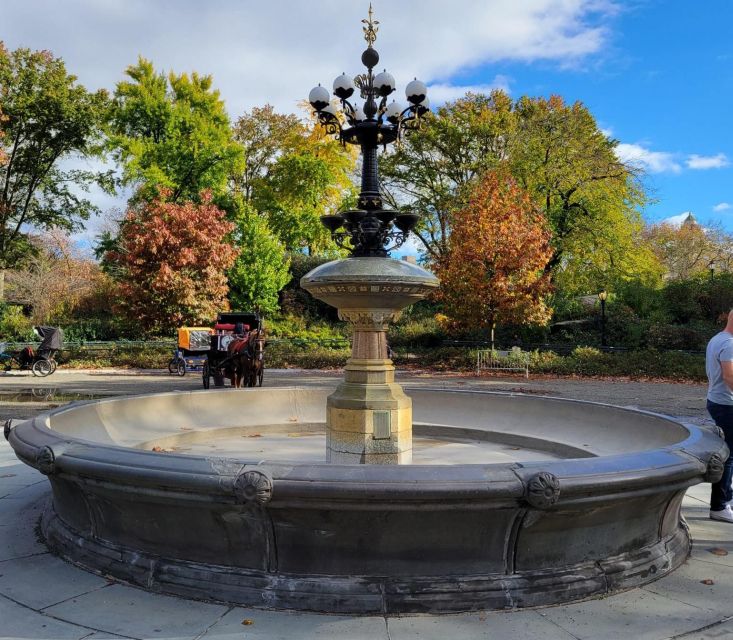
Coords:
494,270
170,262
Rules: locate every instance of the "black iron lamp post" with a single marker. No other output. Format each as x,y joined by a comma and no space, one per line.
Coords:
603,296
711,266
370,230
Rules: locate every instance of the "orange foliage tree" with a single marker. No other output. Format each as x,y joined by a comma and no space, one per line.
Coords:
170,263
494,270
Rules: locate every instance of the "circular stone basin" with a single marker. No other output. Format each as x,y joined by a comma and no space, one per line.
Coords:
513,500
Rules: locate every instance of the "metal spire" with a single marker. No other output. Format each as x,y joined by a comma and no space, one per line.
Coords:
371,28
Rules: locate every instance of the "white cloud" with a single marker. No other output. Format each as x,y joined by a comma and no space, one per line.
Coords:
722,206
440,93
717,161
651,161
275,52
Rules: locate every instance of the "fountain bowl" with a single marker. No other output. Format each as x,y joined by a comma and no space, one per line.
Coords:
595,509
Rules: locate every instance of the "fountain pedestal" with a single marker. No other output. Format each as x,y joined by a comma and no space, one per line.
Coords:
369,417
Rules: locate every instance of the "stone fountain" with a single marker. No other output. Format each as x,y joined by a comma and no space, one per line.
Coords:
510,501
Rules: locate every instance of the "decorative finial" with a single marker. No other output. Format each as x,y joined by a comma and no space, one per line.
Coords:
371,28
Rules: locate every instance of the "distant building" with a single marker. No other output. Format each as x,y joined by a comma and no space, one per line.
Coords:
410,259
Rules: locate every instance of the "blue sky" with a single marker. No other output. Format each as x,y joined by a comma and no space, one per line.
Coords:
658,75
662,82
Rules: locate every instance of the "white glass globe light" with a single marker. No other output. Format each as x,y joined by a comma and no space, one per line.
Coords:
343,86
359,114
319,97
393,111
384,83
416,91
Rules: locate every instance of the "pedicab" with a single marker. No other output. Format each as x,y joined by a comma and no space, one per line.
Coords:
191,350
236,342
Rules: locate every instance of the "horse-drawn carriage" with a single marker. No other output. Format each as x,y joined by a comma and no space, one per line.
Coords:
236,351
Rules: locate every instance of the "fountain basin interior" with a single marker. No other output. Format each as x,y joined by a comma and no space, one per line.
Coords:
511,501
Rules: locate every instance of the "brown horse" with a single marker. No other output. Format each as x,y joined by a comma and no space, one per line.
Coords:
243,354
257,366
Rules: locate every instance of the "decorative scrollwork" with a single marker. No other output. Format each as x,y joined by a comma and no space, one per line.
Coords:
714,470
720,432
543,490
46,460
253,487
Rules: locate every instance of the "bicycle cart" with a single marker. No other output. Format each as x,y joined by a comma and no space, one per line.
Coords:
191,350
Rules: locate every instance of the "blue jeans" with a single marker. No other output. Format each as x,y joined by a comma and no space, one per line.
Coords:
721,492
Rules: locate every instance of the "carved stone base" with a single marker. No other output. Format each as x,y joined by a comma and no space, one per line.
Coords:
369,417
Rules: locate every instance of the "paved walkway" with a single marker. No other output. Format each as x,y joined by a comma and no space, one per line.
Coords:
42,597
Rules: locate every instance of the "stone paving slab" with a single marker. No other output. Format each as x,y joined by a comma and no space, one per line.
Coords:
283,625
17,621
133,612
479,626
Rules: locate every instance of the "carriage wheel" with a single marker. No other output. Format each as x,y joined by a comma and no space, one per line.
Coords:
172,365
54,365
181,367
206,374
41,368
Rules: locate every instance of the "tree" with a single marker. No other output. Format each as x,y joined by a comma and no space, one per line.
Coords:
684,251
172,133
556,152
171,263
261,269
494,270
434,169
293,174
48,119
55,278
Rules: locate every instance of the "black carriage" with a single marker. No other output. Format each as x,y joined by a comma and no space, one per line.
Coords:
229,326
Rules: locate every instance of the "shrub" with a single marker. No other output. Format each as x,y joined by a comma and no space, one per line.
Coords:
14,326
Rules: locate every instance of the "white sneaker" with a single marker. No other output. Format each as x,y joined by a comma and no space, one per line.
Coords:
724,515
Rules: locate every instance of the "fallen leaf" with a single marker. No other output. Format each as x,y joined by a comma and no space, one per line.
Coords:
158,449
707,581
254,435
248,621
717,551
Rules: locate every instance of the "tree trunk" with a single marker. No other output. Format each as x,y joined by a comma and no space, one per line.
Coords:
2,284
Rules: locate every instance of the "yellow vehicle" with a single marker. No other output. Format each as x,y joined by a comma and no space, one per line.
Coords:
190,353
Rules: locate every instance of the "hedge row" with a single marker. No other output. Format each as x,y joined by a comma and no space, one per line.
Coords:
582,361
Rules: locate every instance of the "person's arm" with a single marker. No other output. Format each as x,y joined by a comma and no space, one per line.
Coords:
726,367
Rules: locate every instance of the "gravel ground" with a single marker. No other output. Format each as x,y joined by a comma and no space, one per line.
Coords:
23,396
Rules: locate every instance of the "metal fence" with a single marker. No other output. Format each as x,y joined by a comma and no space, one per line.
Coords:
492,359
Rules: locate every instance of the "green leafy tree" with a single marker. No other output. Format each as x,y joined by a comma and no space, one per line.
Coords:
172,133
293,174
48,119
556,152
261,269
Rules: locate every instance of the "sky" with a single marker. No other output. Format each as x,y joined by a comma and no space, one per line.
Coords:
657,74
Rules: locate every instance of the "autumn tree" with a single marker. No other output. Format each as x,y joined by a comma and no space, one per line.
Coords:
262,269
494,269
171,262
685,250
293,173
172,132
48,118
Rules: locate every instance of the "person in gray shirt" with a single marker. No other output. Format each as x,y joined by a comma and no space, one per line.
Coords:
719,368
